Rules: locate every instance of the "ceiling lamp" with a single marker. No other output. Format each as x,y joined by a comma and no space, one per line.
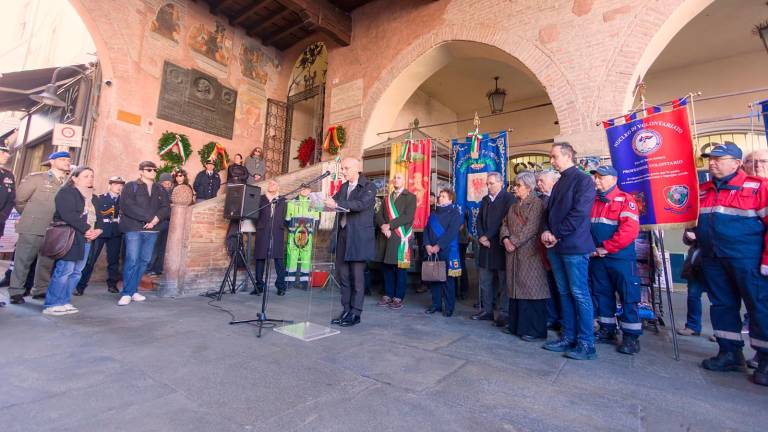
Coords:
48,96
496,98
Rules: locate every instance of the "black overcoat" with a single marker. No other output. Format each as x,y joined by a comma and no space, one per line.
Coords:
70,208
489,220
361,242
278,229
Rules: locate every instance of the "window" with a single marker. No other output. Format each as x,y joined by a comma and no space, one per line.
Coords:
747,141
527,161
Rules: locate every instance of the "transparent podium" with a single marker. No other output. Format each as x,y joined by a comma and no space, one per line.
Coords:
321,287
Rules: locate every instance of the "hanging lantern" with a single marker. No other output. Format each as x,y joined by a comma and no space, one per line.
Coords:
496,98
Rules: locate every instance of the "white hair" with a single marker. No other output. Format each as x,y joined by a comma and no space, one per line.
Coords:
527,178
549,173
495,175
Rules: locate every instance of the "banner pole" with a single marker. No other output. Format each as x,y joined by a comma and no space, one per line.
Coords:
660,236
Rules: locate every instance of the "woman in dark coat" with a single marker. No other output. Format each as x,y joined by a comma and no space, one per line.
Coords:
261,247
441,240
526,277
237,173
75,208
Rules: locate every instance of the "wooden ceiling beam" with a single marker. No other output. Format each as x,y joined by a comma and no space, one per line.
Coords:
271,39
324,17
244,14
254,31
218,7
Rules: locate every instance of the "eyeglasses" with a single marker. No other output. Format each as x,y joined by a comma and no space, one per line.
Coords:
756,161
721,159
179,175
150,169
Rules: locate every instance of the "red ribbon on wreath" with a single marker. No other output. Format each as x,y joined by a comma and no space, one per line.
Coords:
218,150
176,144
331,143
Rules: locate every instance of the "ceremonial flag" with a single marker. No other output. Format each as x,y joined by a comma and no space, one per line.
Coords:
655,161
764,109
469,174
413,158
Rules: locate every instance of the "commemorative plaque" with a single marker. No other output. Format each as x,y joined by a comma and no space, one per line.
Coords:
195,99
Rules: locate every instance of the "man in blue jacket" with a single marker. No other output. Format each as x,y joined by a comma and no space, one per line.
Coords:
569,242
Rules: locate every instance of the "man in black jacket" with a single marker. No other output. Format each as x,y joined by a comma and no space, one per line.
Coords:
107,218
207,183
143,204
568,239
7,200
492,257
354,241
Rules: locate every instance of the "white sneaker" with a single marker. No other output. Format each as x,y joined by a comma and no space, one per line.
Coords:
56,310
124,301
70,308
138,297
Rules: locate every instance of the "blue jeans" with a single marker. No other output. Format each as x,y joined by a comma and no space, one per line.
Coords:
395,280
66,275
139,246
572,277
693,317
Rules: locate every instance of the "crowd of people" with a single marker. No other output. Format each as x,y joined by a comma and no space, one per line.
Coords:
556,253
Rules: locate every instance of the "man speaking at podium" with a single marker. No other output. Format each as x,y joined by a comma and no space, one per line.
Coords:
353,242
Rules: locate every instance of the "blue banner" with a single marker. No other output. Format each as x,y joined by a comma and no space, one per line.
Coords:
469,174
764,107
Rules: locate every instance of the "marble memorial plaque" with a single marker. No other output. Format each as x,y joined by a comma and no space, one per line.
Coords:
195,99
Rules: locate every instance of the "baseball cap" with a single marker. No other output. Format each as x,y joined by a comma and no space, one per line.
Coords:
727,148
605,170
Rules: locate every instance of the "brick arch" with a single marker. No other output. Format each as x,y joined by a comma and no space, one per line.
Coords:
649,32
535,58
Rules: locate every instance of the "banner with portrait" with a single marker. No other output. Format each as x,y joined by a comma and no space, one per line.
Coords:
413,158
654,158
469,174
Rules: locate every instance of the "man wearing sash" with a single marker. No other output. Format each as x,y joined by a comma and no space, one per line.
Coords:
395,220
301,221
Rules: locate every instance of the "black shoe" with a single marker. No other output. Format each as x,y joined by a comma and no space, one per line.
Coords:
725,361
255,291
38,296
431,310
605,336
559,345
421,289
506,330
448,314
78,292
528,338
630,345
350,320
761,373
281,292
500,323
113,289
17,299
481,316
342,317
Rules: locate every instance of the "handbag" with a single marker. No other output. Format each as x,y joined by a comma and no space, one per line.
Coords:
58,240
433,270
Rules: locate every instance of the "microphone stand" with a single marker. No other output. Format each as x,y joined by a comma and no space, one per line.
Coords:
261,317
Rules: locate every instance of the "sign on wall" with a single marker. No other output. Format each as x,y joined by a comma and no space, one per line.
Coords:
195,99
66,135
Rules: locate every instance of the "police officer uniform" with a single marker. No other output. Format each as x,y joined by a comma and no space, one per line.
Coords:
615,224
107,219
7,201
731,234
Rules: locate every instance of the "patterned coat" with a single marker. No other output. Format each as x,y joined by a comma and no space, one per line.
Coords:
526,277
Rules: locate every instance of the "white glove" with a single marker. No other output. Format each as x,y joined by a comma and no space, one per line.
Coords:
764,270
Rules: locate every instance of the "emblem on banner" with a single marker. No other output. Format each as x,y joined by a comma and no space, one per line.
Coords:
642,205
646,142
676,195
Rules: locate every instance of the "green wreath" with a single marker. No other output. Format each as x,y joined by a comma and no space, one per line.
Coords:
167,168
221,160
169,150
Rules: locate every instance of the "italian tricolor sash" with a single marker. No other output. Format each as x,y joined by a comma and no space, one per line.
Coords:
403,251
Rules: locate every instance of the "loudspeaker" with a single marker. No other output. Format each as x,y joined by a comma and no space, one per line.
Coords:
242,201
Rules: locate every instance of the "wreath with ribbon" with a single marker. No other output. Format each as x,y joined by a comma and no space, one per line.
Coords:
215,152
305,151
335,139
174,149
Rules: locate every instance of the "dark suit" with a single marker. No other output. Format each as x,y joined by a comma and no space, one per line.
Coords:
493,260
107,217
354,242
261,248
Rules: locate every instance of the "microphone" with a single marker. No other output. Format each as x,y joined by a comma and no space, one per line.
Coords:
315,180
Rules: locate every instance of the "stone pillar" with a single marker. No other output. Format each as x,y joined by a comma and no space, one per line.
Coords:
172,279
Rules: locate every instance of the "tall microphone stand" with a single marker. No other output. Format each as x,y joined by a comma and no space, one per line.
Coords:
261,317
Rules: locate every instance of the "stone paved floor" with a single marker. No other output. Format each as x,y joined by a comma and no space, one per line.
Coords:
176,365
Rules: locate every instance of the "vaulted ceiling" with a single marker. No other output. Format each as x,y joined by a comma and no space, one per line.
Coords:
282,23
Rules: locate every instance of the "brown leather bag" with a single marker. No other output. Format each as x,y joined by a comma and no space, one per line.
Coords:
58,240
433,270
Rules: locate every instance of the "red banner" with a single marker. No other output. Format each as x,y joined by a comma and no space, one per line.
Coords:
414,159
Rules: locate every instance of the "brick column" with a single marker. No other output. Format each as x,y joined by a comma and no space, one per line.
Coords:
172,279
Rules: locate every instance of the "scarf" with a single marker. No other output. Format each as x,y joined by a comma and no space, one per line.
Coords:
403,251
604,195
454,264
